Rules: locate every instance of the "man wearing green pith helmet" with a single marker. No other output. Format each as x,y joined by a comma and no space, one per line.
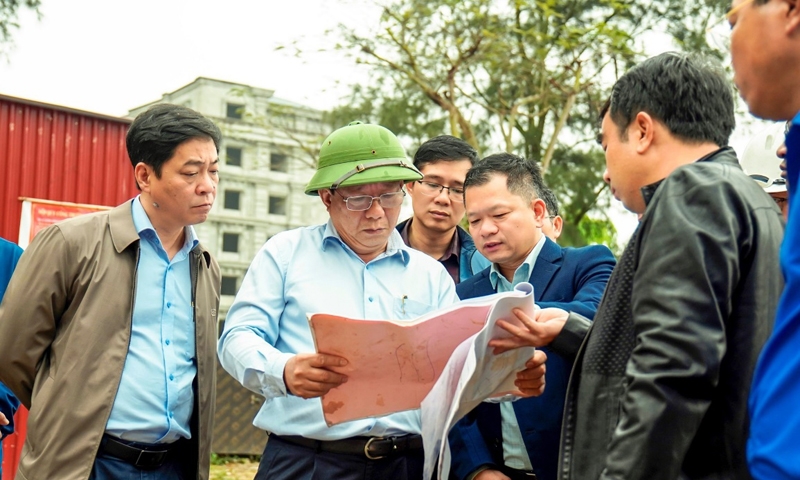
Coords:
356,265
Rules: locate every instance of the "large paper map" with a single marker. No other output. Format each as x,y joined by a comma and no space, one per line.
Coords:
393,365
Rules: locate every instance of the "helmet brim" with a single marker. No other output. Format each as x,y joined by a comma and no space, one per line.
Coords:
326,176
775,188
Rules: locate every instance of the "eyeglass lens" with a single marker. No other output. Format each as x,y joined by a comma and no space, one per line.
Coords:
431,189
364,202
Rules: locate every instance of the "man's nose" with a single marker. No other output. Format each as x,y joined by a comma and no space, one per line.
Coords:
375,210
208,183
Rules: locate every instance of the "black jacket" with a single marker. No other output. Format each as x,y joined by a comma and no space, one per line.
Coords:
659,389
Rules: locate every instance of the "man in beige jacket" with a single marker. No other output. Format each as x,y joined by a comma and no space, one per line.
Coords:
108,327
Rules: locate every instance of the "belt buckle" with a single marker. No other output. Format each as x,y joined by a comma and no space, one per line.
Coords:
149,459
366,449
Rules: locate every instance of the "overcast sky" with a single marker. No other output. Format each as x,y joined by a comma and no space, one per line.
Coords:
110,56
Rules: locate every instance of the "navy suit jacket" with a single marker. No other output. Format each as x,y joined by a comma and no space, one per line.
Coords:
572,279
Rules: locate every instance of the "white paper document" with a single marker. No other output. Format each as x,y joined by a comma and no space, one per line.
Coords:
472,375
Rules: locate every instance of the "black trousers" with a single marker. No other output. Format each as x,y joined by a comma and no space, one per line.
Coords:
286,461
110,468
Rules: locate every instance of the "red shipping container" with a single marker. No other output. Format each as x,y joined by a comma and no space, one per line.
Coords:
61,154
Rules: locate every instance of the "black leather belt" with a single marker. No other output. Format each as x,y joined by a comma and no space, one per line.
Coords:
374,448
141,455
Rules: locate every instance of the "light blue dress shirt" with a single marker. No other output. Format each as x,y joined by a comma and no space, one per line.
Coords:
515,455
311,270
155,398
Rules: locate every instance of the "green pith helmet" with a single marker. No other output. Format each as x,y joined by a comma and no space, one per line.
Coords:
358,154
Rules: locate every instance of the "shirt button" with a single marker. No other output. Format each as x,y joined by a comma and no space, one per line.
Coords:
167,342
171,414
371,299
171,378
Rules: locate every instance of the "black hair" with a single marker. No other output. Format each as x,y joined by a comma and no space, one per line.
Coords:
687,93
445,148
523,177
550,201
157,132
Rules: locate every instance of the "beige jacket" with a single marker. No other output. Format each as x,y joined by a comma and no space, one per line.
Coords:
65,325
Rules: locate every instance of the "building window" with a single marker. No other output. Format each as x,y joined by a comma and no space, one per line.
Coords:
277,205
228,286
235,111
232,199
233,156
230,242
278,163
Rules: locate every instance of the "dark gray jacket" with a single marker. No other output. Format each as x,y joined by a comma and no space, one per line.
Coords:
659,388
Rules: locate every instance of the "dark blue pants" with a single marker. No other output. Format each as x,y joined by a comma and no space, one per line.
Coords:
286,461
110,468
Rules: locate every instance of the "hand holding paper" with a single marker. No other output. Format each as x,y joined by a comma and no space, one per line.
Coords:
538,331
306,375
531,380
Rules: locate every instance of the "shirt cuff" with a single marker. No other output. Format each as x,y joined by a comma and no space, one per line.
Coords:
273,384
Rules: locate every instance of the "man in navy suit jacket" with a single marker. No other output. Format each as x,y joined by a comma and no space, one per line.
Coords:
518,440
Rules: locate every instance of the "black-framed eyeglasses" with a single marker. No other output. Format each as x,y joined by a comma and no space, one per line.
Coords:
431,189
764,181
359,203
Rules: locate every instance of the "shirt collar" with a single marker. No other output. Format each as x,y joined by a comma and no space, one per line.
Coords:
453,249
395,246
146,230
523,272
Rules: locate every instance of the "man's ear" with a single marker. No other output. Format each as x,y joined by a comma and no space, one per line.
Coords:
143,175
539,211
642,132
558,224
410,187
793,17
325,195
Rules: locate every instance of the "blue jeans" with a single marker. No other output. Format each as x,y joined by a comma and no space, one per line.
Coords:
110,468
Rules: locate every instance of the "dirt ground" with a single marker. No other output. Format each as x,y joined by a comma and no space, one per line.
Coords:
234,469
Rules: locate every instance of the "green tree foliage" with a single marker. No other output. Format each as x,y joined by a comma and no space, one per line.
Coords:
525,76
9,15
687,21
